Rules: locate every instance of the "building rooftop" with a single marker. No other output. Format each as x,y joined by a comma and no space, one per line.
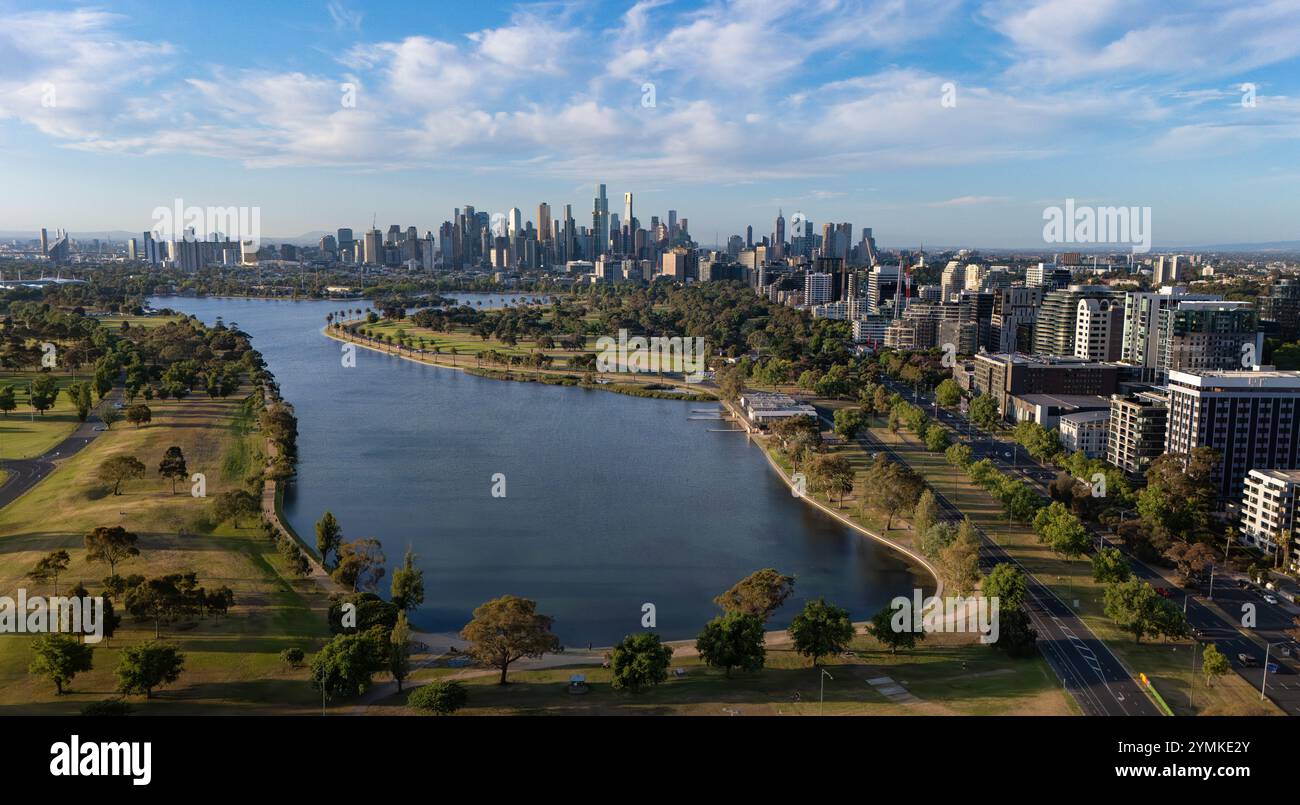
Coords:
1084,417
1236,378
1065,400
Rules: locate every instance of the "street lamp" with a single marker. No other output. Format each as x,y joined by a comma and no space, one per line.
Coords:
821,700
1264,681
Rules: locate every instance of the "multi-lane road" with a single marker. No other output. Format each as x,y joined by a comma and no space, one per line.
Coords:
1226,626
1086,667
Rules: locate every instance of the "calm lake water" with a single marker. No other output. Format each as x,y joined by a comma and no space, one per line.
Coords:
611,501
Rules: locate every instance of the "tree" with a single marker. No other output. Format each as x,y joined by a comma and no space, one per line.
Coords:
49,567
832,474
895,485
173,466
1061,530
147,666
882,628
345,665
109,413
360,564
79,394
111,544
1016,633
639,661
7,400
292,657
399,653
733,640
506,629
760,593
442,696
848,421
407,587
235,504
139,414
1190,560
926,513
948,393
1134,606
1109,565
118,469
1006,583
960,562
1179,493
821,629
1213,664
44,391
984,411
59,658
329,535
936,438
959,455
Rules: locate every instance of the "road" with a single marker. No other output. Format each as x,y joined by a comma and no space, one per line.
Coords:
1229,634
28,472
1086,667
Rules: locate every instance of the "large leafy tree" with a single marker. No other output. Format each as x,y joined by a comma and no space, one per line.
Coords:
507,629
345,665
111,544
59,658
143,668
1109,565
882,628
360,564
1135,607
639,661
820,630
733,641
118,469
1007,583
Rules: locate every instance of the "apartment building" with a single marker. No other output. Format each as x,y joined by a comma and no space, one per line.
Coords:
1137,430
1268,504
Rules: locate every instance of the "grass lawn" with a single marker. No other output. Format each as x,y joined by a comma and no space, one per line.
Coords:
150,322
23,435
947,675
232,664
1167,664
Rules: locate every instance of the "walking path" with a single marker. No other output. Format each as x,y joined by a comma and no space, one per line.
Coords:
24,473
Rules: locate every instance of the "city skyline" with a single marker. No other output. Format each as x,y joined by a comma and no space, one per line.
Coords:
949,123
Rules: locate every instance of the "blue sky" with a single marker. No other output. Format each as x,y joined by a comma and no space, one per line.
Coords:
833,108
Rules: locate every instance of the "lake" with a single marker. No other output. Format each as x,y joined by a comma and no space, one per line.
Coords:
610,501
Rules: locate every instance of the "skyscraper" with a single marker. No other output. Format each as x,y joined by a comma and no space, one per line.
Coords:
600,222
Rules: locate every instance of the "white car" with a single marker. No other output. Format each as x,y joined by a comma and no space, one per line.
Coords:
1270,599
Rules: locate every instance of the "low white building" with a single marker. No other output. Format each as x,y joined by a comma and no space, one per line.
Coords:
1087,431
763,408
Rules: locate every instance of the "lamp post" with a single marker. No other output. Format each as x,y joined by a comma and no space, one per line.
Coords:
821,700
1264,681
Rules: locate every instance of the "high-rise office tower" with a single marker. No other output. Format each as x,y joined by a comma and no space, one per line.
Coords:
779,237
514,222
544,220
345,238
374,247
600,222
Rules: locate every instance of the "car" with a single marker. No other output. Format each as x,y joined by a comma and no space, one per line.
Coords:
1164,593
1272,668
1272,599
1247,660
